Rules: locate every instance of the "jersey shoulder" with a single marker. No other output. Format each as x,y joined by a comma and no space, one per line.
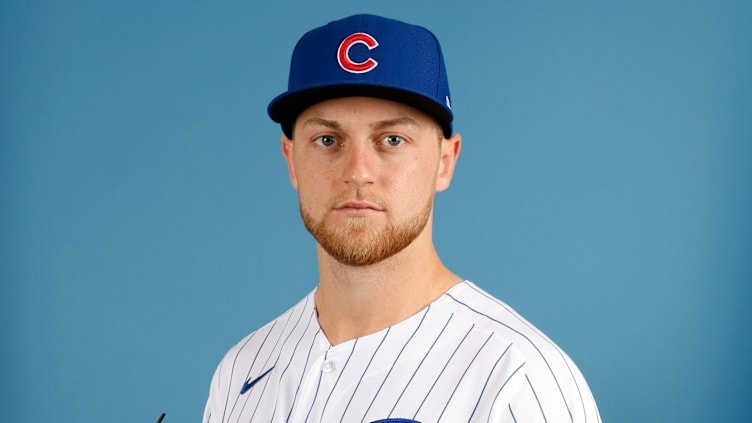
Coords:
551,375
286,322
256,352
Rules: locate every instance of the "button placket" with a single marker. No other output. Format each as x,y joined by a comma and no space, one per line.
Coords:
327,366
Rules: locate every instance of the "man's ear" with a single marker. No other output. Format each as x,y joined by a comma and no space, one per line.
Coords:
450,151
287,152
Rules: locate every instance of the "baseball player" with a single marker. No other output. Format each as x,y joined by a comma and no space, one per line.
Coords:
390,334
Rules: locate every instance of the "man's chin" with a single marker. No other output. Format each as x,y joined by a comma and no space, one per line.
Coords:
356,248
363,241
358,258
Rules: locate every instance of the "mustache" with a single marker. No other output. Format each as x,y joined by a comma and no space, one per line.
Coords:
358,195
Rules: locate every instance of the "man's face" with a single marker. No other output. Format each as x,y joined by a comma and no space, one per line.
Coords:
366,171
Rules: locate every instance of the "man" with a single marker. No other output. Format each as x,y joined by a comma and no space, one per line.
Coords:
390,334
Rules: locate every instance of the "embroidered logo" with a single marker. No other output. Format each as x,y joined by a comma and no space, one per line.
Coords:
250,383
343,53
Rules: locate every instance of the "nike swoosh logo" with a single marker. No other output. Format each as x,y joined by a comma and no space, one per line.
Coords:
249,383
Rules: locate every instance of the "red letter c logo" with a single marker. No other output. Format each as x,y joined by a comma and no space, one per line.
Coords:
344,50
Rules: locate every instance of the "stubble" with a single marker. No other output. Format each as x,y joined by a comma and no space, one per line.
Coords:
357,242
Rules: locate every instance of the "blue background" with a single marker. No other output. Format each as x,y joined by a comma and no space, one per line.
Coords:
147,221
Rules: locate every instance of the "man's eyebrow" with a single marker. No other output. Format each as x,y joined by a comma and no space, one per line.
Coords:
400,121
322,122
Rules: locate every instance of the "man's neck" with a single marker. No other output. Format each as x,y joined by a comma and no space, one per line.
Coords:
354,301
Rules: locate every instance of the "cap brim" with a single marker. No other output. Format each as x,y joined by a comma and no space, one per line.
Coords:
286,108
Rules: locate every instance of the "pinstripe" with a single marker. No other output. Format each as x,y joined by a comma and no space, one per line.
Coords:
308,357
553,374
512,413
294,351
364,373
248,374
269,357
546,339
498,393
420,364
543,413
232,372
261,395
316,394
336,382
300,318
533,328
289,335
463,376
465,357
485,385
442,370
396,359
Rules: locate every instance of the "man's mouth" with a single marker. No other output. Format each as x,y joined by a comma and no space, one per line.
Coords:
355,207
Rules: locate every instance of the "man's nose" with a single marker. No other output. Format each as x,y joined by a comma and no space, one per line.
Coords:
359,163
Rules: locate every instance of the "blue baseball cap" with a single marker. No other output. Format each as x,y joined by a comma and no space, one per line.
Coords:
369,56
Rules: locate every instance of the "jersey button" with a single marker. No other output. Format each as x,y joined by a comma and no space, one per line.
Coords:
327,366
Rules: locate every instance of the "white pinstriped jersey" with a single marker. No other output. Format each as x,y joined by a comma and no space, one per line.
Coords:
467,357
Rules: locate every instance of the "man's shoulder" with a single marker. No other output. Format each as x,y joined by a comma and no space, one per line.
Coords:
487,312
288,322
548,370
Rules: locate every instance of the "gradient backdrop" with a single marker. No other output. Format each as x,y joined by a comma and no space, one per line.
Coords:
147,222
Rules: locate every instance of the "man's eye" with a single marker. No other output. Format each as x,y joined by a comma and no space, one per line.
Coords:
326,140
394,140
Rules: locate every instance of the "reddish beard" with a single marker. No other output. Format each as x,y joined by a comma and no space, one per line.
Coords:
354,243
